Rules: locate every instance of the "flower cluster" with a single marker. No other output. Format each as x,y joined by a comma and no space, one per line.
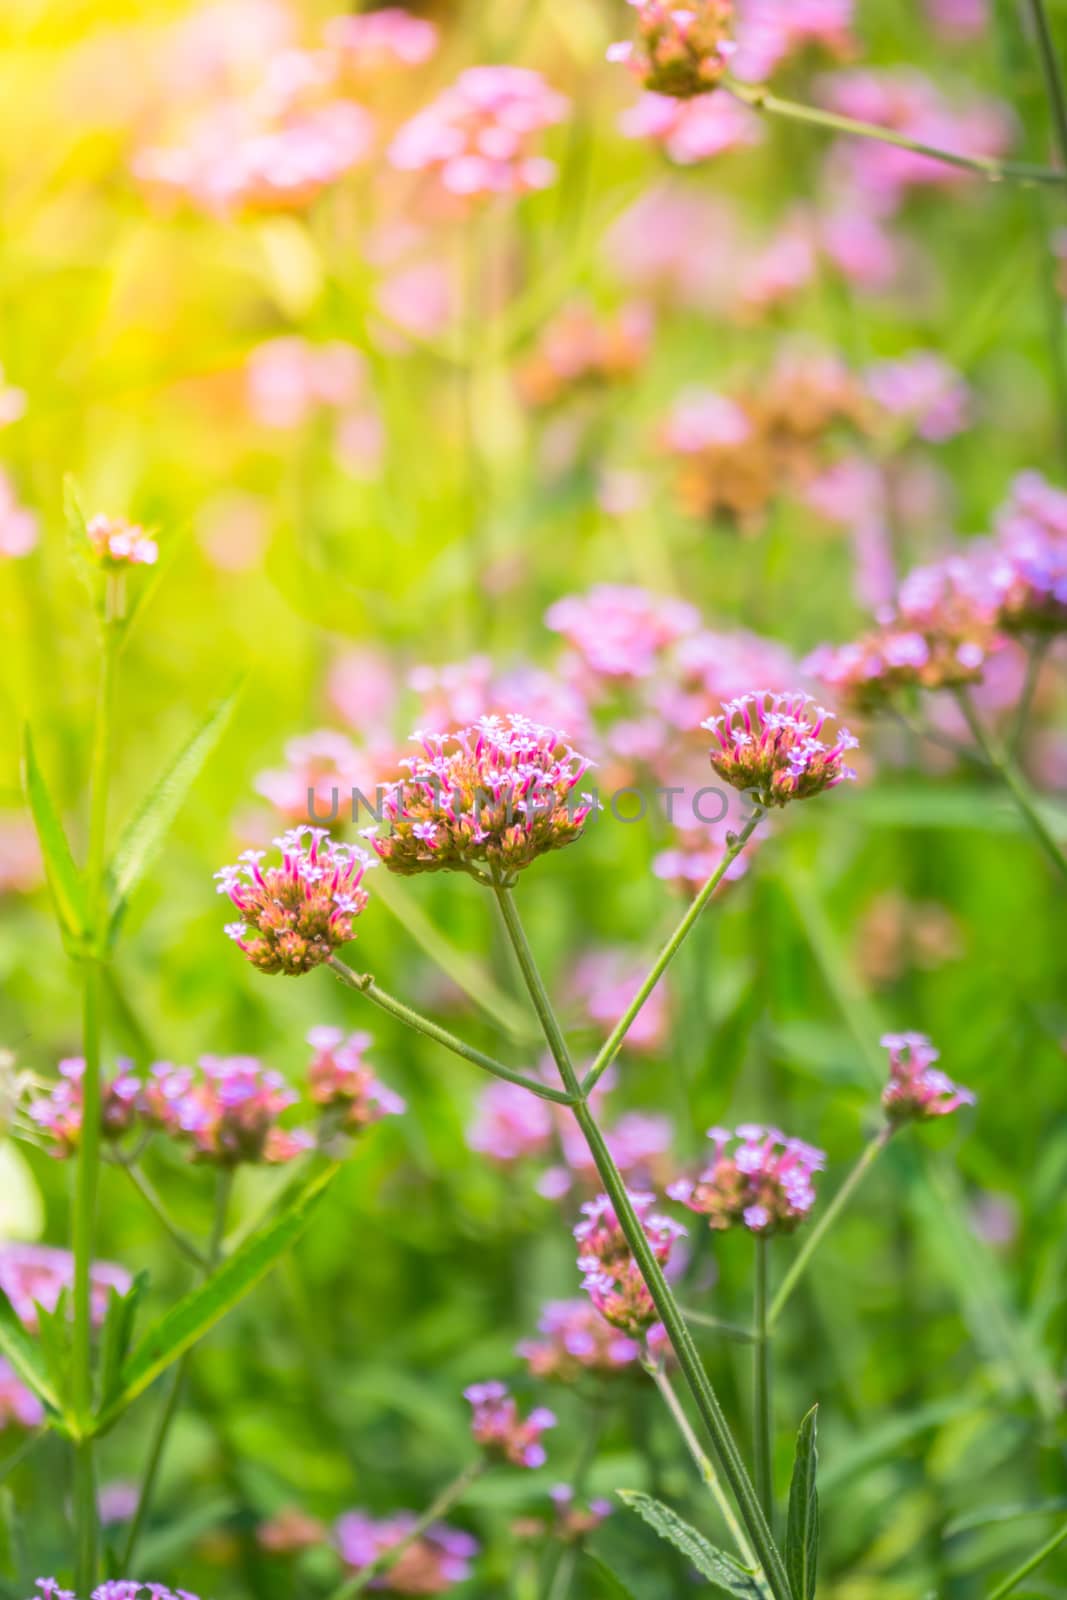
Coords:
339,1079
569,1520
57,1110
574,1339
759,1179
294,916
620,631
500,1430
579,350
117,543
771,745
681,50
37,1275
435,1561
113,1589
917,1090
612,1279
369,41
477,136
1029,558
290,1532
500,793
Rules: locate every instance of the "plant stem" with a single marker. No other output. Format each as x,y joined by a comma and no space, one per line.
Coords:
703,1465
1035,660
363,983
1024,172
826,1221
1028,1566
727,1454
1050,70
613,1044
148,1194
1005,767
438,1508
763,1429
728,1330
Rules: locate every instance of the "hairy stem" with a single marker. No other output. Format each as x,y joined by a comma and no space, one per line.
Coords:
438,1508
814,1238
1003,764
763,1429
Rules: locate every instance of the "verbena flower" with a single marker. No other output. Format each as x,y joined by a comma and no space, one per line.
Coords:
33,1275
681,50
477,136
294,916
227,1109
113,1589
438,1559
1029,559
612,1279
923,389
57,1111
117,1503
759,1179
497,794
573,1339
772,745
569,1520
579,350
619,630
117,543
374,40
339,1079
502,1432
917,1090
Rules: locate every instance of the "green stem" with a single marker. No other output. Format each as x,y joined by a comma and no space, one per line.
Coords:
728,1330
1024,172
817,1234
727,1454
1035,660
1050,71
148,1194
364,984
440,1507
1028,1566
700,1460
763,1429
614,1042
1005,767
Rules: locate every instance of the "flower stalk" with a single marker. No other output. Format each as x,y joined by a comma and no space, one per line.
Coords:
1006,769
450,1496
763,1429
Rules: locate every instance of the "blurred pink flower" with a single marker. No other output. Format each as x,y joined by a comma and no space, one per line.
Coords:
438,1559
499,1428
758,1178
18,527
692,130
289,379
361,685
21,868
958,19
19,1406
923,389
573,1339
371,41
37,1274
678,242
115,542
620,631
768,31
12,402
322,769
603,983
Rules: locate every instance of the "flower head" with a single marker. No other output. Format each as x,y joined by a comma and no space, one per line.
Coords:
1029,558
758,1179
228,1108
340,1079
917,1090
437,1559
499,1428
612,1279
58,1110
499,793
569,1520
36,1275
117,543
373,40
619,630
294,916
573,1338
681,50
772,744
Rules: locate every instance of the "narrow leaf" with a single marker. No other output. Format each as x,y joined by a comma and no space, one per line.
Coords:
23,1355
608,1584
148,828
53,1338
117,1334
715,1565
187,1322
802,1529
64,879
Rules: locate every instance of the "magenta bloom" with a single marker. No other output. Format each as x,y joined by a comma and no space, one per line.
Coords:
58,1111
228,1108
621,631
573,1338
924,390
294,916
436,1561
477,136
114,1589
37,1274
680,51
1029,558
371,41
917,1090
511,1124
18,527
758,1179
19,1406
771,744
117,543
340,1079
612,1280
500,1430
497,794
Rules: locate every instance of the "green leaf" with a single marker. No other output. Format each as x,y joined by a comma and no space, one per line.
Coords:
53,1337
988,1516
64,879
608,1584
23,1356
117,1334
715,1565
802,1529
186,1323
146,831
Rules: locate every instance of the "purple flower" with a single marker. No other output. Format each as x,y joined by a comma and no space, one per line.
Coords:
681,51
294,916
758,1179
917,1090
339,1078
612,1279
621,631
772,745
500,1430
573,1339
436,1561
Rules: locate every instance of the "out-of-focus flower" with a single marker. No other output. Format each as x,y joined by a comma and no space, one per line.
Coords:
117,543
574,1339
917,1090
233,530
19,1406
569,1521
57,1110
228,1108
294,916
612,1279
21,868
323,772
290,1532
860,246
681,50
290,379
500,1429
676,242
12,402
770,30
117,1503
478,135
1029,558
438,1559
621,631
692,130
371,41
499,793
604,982
580,350
418,298
759,1179
511,1124
37,1274
113,1589
958,19
340,1079
924,390
362,688
772,745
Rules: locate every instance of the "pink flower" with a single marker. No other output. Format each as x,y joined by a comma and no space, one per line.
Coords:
605,981
322,771
438,1559
771,744
117,1503
680,51
289,379
58,1111
294,916
692,130
926,391
511,1124
500,1430
763,1183
229,1108
371,41
612,1279
19,1406
958,19
1029,558
477,136
575,1339
619,631
117,543
37,1274
770,30
12,402
339,1078
579,350
917,1090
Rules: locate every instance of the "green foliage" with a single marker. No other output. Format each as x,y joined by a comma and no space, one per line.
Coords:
802,1531
720,1569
